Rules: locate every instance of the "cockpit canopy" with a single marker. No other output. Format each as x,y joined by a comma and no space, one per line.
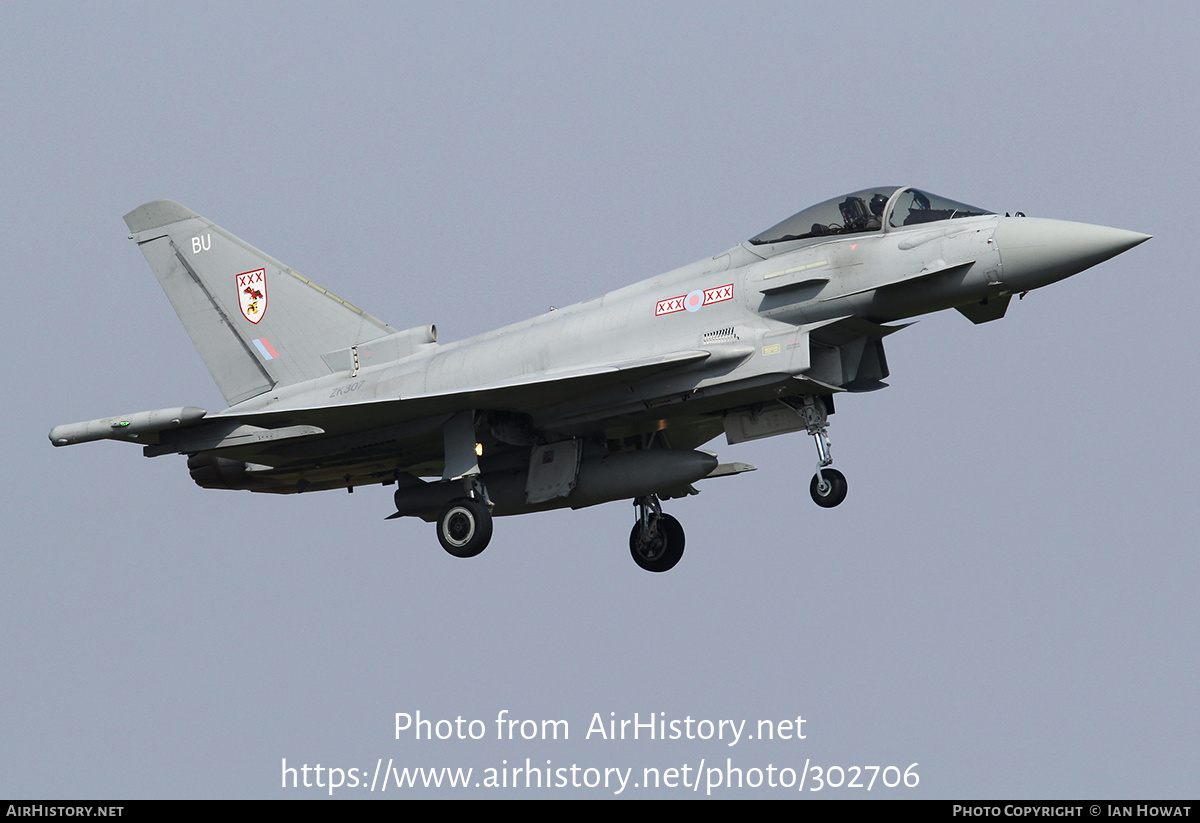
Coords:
879,209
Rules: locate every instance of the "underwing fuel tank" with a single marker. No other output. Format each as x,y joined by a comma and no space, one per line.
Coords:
636,474
619,476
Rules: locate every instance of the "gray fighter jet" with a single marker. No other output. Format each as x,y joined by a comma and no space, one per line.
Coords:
605,400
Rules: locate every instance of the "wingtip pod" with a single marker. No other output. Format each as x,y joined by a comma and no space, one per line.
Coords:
155,214
126,427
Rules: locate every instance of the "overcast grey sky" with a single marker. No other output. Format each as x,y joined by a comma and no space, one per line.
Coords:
1007,597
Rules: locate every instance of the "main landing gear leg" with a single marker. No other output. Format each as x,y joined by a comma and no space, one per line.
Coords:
465,524
656,541
828,486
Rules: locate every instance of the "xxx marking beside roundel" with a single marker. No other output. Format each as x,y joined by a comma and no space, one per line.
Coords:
694,300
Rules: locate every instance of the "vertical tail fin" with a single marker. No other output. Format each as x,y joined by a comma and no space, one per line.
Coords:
256,323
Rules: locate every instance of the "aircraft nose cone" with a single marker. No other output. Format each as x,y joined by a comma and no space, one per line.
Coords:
1035,252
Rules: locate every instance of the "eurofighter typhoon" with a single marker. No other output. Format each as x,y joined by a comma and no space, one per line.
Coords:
609,399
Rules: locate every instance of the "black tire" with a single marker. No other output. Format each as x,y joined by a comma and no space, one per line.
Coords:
464,527
661,554
835,492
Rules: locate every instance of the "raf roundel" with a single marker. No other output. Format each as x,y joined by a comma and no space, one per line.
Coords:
694,300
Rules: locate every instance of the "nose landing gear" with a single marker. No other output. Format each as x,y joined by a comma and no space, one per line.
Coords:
828,486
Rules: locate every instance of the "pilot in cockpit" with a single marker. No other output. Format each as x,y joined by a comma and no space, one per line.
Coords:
857,216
